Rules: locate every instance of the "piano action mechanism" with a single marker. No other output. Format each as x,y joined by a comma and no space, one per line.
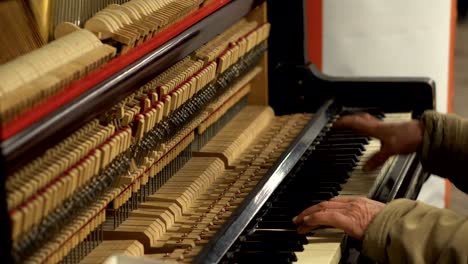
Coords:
144,130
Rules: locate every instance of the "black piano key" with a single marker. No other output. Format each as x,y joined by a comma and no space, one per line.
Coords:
330,184
261,235
276,217
339,140
303,191
335,151
289,205
343,133
295,208
263,257
271,245
344,138
285,204
309,196
283,224
328,172
329,190
326,160
315,183
329,175
337,158
323,185
322,175
330,157
376,113
332,146
346,165
291,210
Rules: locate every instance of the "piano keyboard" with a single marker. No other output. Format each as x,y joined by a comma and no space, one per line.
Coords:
333,168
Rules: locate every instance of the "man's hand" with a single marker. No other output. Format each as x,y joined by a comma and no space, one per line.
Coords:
396,138
352,215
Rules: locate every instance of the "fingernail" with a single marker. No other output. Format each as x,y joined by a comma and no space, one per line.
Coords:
306,218
294,219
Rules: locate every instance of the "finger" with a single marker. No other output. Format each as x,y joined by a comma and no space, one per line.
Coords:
335,217
343,199
327,205
377,160
365,115
363,123
304,229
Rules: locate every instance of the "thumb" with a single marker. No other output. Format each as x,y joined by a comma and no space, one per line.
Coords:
377,160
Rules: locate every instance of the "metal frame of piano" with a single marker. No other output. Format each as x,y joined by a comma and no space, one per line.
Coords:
48,123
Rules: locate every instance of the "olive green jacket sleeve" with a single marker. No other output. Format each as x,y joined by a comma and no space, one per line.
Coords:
413,232
444,150
407,231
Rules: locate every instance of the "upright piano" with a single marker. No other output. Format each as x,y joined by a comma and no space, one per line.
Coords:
145,131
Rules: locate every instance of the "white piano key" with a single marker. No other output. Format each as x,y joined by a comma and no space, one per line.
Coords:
324,247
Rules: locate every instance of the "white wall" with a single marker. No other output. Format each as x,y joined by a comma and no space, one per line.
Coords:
391,38
388,38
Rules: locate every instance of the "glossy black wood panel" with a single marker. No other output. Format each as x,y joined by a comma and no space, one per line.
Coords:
5,233
311,88
285,47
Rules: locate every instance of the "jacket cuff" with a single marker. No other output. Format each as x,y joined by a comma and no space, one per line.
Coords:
433,127
377,233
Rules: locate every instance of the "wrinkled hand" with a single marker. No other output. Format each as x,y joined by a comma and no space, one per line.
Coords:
396,138
352,215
